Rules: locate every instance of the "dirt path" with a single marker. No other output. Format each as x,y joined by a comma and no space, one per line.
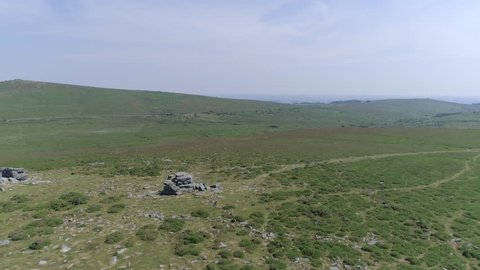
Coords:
289,167
360,158
466,168
454,244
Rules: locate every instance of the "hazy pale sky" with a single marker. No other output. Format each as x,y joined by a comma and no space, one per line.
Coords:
320,47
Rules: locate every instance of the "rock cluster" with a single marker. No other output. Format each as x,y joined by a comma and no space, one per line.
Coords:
181,182
13,174
155,215
5,242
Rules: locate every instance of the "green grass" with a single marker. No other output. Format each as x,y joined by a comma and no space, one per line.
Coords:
299,190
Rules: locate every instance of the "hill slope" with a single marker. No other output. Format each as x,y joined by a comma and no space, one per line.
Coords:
29,99
39,99
299,192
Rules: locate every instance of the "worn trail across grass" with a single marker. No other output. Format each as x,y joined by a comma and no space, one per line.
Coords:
415,206
288,167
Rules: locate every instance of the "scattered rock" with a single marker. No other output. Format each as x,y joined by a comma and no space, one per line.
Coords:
2,189
371,239
181,182
5,242
217,188
114,260
65,248
42,263
155,215
14,174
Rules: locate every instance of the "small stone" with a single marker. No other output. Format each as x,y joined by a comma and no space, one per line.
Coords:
5,242
121,251
65,248
114,260
42,263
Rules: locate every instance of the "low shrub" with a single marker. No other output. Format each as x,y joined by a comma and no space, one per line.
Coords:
53,221
194,237
129,243
148,233
248,244
74,198
94,208
116,208
40,214
274,264
58,205
39,244
238,254
172,225
20,198
257,218
201,213
110,199
18,234
183,250
114,238
224,254
7,207
69,200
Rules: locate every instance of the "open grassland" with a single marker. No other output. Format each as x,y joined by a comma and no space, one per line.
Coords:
351,185
376,198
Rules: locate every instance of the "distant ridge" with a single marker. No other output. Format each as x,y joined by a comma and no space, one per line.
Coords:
30,99
33,99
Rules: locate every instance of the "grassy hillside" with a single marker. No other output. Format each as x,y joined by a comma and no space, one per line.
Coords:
348,185
61,124
29,99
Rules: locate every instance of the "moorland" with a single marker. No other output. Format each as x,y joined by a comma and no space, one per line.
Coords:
388,184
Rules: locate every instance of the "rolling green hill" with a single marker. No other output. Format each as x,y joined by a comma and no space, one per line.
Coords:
39,99
407,108
30,99
58,121
348,185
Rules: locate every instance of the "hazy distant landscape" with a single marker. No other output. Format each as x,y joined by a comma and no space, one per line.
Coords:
331,98
239,135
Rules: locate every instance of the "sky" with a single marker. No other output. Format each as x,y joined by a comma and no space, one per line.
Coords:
251,47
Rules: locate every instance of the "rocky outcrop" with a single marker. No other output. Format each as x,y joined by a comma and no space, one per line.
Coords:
13,174
181,182
155,215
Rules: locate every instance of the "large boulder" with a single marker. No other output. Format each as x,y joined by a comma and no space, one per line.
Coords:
180,183
14,173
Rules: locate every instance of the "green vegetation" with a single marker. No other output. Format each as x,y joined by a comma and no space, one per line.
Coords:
299,190
39,244
148,233
201,213
114,238
172,225
190,237
116,208
94,208
69,200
